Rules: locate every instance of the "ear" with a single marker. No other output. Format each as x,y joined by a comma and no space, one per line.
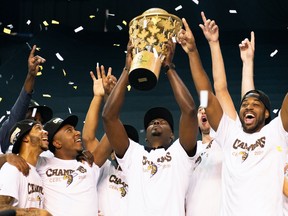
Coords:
25,138
172,137
266,114
57,144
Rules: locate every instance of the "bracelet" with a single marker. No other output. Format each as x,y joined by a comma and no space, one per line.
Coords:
169,66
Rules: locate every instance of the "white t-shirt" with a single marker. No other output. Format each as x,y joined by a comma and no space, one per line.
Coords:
69,186
158,180
252,168
112,191
27,191
204,194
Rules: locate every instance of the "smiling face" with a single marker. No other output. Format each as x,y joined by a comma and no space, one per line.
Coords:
38,137
252,114
203,121
68,141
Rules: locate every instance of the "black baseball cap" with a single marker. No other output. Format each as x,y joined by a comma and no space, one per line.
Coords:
158,112
45,112
18,131
55,124
260,95
132,132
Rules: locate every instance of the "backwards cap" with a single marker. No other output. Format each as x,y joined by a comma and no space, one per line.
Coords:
158,112
260,95
18,131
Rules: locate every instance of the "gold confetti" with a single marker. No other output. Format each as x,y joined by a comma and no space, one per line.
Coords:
41,67
1,99
116,45
64,72
7,31
129,87
55,22
75,87
279,148
92,16
45,23
38,48
39,73
124,22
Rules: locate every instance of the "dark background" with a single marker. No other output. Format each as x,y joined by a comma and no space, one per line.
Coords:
96,43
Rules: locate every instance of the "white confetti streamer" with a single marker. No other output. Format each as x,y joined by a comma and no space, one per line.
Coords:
196,1
28,22
80,28
203,98
273,53
233,11
59,57
178,8
1,119
69,110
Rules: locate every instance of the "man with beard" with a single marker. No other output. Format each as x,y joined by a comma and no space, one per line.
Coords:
157,175
19,193
254,154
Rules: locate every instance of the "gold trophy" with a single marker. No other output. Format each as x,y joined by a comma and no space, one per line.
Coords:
149,34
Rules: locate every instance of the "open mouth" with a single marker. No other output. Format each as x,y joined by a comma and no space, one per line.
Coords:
203,119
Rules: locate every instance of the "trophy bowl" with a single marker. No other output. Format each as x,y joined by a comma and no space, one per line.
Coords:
149,34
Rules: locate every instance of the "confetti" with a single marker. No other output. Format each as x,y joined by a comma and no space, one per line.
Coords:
59,57
34,112
10,26
64,72
28,22
129,87
116,45
196,1
69,110
80,28
39,73
119,27
75,87
30,48
46,95
124,22
1,119
203,98
233,11
275,111
55,22
178,8
174,40
71,83
279,148
7,31
92,16
8,112
274,53
45,23
40,67
1,99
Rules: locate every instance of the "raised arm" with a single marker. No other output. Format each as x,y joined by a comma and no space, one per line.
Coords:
284,113
101,85
19,109
187,41
114,128
188,124
247,50
211,32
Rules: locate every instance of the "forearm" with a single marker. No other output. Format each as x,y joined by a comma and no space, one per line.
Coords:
91,123
199,76
247,77
218,68
29,83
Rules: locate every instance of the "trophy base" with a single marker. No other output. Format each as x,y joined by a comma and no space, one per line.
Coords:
145,70
142,79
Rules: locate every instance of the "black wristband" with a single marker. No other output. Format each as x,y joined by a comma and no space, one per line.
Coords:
168,67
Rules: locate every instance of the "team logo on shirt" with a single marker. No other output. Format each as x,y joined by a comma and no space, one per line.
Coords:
202,155
150,166
248,148
118,181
